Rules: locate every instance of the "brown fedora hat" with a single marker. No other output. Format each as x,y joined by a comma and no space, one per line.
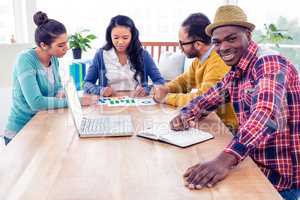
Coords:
229,15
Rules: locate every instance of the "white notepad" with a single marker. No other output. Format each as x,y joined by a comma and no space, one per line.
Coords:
178,138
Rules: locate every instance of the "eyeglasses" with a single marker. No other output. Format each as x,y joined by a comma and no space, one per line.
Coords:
190,42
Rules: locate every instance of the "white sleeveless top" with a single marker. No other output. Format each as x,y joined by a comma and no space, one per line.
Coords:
119,76
49,73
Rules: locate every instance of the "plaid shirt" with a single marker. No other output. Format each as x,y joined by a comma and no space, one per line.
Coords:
264,89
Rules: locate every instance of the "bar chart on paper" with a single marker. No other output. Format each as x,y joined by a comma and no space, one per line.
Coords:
125,101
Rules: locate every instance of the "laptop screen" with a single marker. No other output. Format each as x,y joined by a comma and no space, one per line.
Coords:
74,103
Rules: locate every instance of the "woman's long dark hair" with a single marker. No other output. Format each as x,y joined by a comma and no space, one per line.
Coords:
134,50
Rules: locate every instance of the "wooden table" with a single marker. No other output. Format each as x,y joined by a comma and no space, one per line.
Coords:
47,160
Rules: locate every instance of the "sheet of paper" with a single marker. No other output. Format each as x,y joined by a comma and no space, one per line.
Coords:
145,102
125,101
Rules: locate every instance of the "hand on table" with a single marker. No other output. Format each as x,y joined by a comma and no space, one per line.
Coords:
60,94
107,92
179,123
88,100
160,92
209,173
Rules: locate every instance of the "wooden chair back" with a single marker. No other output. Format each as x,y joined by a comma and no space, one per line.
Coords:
156,48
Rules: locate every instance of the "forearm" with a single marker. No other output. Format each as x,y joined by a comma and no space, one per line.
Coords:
178,85
46,103
258,127
202,105
229,160
91,88
179,99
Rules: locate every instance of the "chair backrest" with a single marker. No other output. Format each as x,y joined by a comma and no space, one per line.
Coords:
156,48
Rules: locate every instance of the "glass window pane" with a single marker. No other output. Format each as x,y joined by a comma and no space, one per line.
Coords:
6,21
157,20
284,16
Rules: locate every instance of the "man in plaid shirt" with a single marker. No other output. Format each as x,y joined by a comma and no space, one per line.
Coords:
264,88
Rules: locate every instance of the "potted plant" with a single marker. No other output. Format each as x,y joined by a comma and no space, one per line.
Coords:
274,35
78,42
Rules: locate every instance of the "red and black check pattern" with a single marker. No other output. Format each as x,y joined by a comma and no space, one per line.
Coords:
264,89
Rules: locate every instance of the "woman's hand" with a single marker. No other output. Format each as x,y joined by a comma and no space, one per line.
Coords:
87,100
60,94
107,92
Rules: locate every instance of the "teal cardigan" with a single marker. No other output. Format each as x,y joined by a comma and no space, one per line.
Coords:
31,90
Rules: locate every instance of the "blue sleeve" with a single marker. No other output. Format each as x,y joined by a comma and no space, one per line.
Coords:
96,71
152,71
26,75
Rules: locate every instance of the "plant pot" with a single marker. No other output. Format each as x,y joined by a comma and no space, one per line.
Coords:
77,53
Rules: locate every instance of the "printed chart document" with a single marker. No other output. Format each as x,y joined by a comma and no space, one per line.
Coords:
126,101
178,138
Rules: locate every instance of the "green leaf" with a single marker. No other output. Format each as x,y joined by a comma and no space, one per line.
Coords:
274,35
91,37
272,27
85,40
78,40
89,46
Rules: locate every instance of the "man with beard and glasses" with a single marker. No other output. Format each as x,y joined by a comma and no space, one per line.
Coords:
205,71
264,88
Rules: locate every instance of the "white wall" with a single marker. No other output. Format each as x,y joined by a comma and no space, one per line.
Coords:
8,54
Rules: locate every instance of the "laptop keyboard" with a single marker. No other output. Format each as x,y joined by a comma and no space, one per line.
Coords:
107,125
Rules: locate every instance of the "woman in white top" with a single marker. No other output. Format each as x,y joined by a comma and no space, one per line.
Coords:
122,63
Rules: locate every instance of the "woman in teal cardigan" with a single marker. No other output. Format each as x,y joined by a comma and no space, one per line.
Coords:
36,81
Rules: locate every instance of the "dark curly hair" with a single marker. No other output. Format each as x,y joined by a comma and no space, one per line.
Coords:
134,50
47,29
195,25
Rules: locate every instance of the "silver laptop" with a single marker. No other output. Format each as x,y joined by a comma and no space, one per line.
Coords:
103,125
